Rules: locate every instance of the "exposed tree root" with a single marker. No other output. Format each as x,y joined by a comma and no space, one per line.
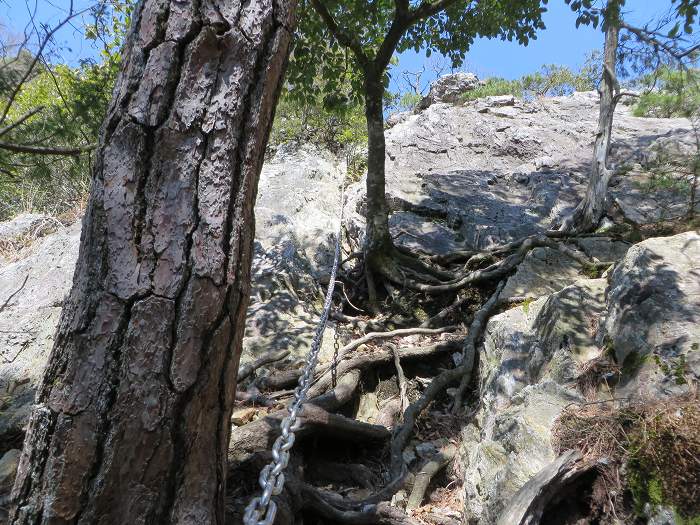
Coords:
278,380
259,435
356,473
401,378
448,310
469,352
493,271
377,357
421,275
265,359
254,398
401,332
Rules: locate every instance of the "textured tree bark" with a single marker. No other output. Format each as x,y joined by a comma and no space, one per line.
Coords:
590,210
132,418
378,244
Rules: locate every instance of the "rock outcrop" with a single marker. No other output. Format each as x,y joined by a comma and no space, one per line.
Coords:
483,173
448,88
646,312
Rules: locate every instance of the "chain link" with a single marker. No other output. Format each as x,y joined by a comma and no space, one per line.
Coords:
262,509
336,352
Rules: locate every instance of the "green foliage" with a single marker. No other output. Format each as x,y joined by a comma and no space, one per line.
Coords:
334,128
670,92
494,86
74,101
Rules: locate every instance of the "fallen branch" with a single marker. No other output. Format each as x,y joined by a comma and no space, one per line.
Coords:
426,473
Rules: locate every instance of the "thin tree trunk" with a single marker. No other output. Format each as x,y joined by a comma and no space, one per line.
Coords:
590,210
132,418
378,241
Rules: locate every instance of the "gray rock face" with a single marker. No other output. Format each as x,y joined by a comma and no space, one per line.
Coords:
448,88
532,356
32,289
23,224
653,317
484,177
529,359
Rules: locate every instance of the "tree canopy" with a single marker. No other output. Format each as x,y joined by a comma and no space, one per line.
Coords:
338,41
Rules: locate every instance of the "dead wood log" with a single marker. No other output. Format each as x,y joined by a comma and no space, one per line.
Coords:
529,503
380,513
378,357
426,473
259,435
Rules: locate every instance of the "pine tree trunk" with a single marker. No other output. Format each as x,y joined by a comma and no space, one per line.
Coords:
132,418
590,210
378,241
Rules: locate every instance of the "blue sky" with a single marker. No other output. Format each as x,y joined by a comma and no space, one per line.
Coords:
560,43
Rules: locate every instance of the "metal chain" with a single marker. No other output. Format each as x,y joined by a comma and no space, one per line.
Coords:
336,352
262,509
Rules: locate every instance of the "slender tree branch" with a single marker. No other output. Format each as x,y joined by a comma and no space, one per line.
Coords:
44,42
427,8
42,150
341,35
23,118
651,38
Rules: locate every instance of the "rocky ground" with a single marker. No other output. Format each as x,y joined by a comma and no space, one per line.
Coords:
459,177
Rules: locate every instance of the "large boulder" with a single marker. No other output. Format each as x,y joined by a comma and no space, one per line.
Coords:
448,89
645,314
528,364
653,318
